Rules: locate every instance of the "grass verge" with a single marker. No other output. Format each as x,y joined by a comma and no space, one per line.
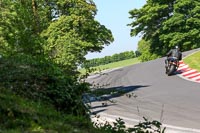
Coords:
19,115
115,64
193,61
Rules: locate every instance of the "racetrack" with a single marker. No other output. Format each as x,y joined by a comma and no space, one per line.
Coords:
170,99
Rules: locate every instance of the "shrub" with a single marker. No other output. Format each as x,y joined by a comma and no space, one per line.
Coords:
39,79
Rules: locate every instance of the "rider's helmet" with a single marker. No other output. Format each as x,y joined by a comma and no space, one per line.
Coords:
176,47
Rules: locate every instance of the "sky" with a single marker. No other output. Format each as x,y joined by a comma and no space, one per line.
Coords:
114,15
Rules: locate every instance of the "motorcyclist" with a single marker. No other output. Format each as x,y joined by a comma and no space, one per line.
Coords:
173,53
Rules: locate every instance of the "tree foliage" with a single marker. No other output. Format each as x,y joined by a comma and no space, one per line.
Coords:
42,42
165,24
145,51
28,27
75,33
20,26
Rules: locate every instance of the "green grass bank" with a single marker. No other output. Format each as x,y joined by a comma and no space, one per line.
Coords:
20,115
193,61
115,65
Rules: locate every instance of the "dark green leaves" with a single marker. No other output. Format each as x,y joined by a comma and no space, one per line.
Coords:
168,23
62,30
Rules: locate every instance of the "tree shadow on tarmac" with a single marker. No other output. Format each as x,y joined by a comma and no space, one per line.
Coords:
105,95
98,111
109,93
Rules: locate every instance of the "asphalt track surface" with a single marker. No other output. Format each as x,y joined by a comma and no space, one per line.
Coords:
170,99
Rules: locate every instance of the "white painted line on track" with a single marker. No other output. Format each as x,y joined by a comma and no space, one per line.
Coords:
187,72
185,66
190,74
169,128
193,75
198,77
180,65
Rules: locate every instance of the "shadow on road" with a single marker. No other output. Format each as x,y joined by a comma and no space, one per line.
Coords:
100,106
98,111
102,98
106,94
177,72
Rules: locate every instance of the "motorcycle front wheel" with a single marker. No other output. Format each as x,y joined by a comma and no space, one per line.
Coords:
171,70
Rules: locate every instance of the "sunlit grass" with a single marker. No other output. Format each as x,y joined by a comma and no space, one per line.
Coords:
193,61
115,65
18,115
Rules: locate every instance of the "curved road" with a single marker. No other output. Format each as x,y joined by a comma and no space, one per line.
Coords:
170,99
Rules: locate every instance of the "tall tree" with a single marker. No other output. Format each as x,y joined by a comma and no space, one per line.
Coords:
183,27
75,33
165,24
64,30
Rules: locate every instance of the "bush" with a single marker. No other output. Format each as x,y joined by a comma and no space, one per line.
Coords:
39,79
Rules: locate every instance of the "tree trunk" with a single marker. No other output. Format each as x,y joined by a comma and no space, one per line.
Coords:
36,17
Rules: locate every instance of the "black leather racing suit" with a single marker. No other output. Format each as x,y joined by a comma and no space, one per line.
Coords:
173,53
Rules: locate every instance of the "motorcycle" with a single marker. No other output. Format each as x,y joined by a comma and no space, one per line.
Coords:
172,65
